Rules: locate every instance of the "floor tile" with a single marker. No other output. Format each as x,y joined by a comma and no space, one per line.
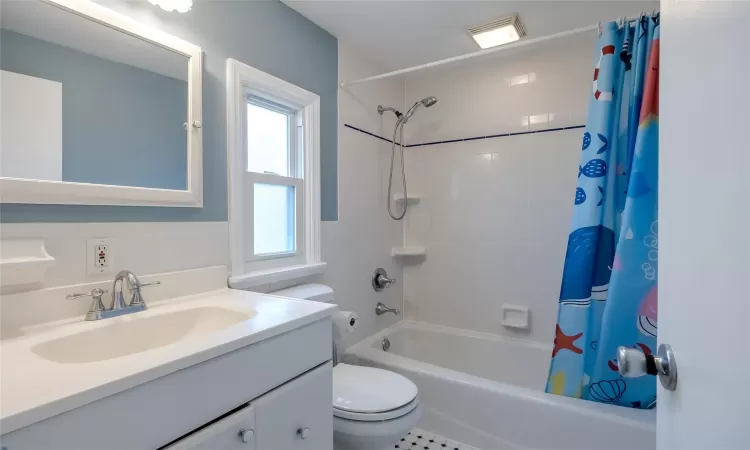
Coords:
418,439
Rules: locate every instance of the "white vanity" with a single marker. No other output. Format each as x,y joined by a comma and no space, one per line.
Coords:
222,369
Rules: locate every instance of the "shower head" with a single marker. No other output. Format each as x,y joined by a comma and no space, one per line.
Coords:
427,102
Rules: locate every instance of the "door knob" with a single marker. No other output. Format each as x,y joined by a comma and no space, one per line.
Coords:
303,433
632,363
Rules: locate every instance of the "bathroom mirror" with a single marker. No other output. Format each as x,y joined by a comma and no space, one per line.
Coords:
96,108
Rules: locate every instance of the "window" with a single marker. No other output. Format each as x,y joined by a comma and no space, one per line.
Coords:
274,206
274,163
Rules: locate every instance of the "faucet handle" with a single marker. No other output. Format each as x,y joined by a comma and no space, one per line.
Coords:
96,293
381,281
96,307
137,298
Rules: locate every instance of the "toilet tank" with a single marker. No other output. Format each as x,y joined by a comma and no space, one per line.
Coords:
312,291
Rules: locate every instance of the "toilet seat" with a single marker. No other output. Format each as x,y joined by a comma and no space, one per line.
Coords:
375,417
367,394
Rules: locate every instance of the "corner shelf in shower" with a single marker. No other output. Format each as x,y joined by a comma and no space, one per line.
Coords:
411,200
408,251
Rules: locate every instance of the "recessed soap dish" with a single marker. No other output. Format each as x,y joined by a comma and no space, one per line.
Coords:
515,317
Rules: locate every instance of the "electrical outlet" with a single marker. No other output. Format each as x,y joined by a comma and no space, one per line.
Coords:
99,256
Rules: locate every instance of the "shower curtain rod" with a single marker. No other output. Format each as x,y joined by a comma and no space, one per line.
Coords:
472,55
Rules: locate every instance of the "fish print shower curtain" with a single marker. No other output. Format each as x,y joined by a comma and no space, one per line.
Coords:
609,288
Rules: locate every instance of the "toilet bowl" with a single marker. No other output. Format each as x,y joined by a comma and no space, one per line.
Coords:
372,408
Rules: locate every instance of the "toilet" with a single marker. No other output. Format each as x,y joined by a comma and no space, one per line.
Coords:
372,408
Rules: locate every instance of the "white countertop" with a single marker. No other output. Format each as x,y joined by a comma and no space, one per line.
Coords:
33,388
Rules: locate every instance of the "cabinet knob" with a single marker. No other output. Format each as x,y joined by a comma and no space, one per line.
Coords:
303,433
246,436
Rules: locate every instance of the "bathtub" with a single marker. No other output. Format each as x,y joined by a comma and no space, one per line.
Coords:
488,391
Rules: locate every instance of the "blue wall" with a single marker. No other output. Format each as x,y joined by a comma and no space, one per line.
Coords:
264,34
121,125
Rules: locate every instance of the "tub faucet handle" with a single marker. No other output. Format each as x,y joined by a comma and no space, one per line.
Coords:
381,281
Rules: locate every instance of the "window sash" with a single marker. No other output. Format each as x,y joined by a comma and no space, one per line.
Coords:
283,258
294,137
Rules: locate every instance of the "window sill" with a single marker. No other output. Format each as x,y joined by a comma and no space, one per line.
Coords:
253,279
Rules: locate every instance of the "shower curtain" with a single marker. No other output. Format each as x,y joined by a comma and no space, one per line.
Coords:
609,288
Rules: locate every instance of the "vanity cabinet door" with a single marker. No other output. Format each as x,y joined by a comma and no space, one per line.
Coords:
234,432
297,415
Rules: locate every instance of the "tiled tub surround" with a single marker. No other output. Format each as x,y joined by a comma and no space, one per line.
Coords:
495,212
487,392
493,217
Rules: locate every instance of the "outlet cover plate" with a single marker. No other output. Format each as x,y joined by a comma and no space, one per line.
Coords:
92,268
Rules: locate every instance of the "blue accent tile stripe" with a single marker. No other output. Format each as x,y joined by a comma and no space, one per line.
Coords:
368,133
491,136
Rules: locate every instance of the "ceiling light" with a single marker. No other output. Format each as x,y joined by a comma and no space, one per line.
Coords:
173,5
499,32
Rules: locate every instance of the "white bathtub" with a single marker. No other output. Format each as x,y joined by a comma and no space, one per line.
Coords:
488,391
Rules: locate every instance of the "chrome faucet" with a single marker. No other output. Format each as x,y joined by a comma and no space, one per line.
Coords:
118,307
134,284
381,309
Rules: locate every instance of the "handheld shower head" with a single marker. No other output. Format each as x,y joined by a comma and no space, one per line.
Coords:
399,128
427,102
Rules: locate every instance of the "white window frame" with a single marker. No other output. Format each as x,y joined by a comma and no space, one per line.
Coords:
247,269
295,149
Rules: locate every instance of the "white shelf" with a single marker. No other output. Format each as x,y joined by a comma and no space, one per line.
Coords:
412,198
412,250
24,261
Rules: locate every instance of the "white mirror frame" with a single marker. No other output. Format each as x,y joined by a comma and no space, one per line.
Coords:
17,190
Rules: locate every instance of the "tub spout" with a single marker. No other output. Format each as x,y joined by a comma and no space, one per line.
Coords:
381,309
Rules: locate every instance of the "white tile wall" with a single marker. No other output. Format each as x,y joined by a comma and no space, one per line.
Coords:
496,213
362,238
542,86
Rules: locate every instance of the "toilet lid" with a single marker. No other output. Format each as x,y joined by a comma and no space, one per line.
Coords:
368,390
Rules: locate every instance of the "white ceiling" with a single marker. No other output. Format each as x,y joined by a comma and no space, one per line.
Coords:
399,33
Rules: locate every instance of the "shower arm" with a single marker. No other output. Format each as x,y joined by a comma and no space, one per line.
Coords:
382,109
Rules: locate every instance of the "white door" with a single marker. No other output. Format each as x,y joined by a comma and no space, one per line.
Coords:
704,223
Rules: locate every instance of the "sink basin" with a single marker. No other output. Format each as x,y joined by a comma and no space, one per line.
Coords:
132,334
